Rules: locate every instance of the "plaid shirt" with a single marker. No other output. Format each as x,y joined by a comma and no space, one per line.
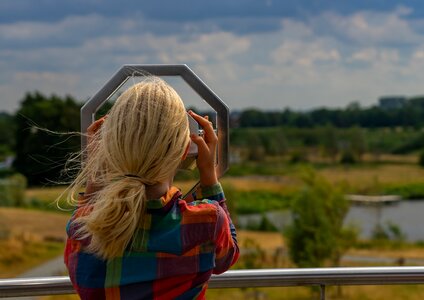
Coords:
172,257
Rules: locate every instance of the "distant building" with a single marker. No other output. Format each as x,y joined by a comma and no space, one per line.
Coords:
392,102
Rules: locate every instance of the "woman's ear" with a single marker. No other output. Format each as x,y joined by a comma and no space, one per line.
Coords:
186,151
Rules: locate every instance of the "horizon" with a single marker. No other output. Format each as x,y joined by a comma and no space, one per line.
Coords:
304,110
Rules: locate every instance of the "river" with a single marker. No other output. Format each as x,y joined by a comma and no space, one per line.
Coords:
407,215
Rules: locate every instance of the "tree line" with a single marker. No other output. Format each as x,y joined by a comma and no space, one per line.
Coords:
36,134
411,114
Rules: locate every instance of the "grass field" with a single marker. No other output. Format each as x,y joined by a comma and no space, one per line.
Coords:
47,194
361,177
33,238
39,225
366,178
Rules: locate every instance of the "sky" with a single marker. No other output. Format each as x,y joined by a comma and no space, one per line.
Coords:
266,54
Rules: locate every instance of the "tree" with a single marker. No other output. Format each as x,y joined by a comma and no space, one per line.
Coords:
41,147
7,134
317,233
254,118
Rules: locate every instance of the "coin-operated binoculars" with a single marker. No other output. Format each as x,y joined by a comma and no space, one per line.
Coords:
88,111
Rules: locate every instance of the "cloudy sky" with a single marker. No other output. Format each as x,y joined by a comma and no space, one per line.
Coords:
269,54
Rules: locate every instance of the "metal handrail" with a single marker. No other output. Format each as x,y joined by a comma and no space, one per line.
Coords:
19,287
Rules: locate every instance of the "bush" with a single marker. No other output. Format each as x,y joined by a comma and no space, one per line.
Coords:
348,158
5,195
12,190
316,233
298,157
406,191
260,201
18,187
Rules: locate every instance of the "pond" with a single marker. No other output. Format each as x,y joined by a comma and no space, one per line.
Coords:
407,215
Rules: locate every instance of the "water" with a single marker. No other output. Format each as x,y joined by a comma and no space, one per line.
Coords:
407,215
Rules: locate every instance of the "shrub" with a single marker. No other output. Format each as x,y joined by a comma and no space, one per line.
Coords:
348,158
5,195
12,190
17,188
298,157
317,232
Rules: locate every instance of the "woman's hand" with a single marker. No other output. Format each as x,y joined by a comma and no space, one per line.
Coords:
91,132
206,146
94,127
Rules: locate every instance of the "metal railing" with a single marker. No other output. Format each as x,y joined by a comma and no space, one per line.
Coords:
321,277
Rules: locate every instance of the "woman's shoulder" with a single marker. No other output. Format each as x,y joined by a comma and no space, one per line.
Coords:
199,211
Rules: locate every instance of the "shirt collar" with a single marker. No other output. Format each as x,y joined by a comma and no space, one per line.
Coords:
170,196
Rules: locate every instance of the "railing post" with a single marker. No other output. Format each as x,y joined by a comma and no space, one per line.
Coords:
322,291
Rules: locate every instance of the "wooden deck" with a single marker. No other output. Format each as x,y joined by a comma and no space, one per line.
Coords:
378,199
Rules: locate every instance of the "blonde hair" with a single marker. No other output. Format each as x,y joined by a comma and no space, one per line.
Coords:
145,134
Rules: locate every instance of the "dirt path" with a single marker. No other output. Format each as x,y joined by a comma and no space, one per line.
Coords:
54,267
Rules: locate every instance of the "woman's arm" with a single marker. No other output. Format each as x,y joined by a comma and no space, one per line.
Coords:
227,251
206,146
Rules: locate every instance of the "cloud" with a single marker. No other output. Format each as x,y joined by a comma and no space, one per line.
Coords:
81,67
375,56
368,27
52,78
326,58
304,54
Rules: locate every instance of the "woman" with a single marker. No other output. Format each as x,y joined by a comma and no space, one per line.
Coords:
132,236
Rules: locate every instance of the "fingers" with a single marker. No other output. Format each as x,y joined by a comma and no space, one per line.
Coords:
200,142
210,136
206,145
201,120
94,127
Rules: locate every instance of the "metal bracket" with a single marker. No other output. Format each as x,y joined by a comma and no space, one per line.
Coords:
90,108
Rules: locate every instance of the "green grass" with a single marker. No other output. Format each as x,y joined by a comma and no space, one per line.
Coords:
258,168
407,191
259,201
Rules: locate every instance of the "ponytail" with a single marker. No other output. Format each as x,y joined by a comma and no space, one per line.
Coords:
116,213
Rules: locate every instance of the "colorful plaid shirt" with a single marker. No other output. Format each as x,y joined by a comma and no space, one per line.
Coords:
172,257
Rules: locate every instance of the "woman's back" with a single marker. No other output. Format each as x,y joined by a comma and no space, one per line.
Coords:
174,254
